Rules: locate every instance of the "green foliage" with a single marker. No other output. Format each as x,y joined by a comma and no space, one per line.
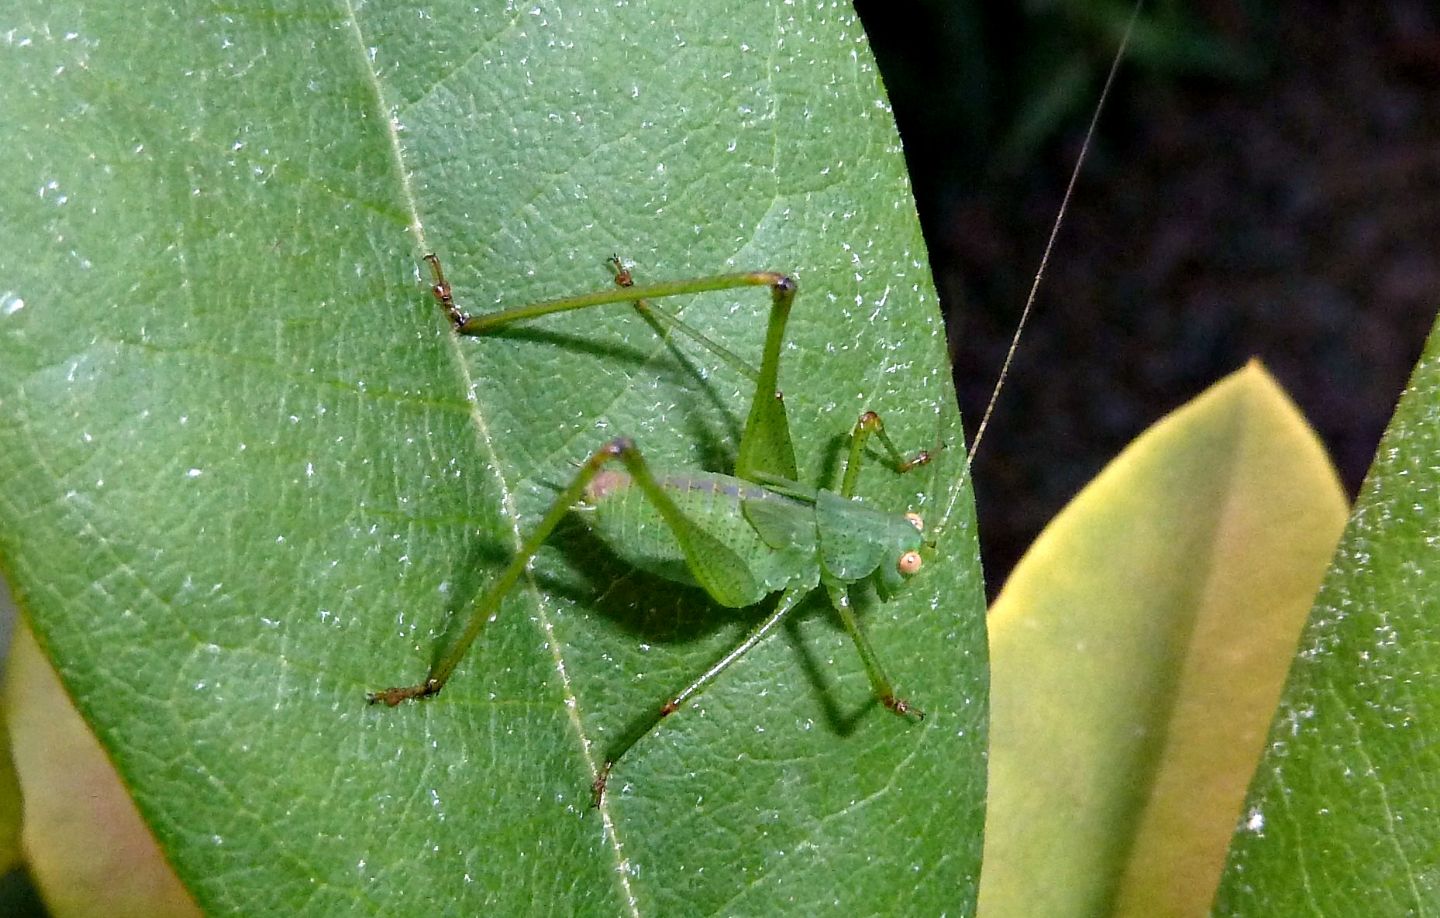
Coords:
1341,817
247,473
1065,51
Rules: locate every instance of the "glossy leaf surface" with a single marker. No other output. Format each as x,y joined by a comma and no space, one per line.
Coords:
247,473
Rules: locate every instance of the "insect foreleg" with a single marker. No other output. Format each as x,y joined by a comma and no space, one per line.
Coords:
788,600
871,425
879,682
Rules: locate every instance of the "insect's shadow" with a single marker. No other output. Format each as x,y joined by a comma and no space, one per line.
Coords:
840,721
680,366
641,605
609,350
832,456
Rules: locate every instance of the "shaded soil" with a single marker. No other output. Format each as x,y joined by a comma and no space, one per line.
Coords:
1294,217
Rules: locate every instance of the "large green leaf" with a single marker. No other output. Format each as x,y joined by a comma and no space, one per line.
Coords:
247,473
1342,815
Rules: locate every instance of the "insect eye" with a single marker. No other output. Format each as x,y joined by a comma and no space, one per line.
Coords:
916,521
909,562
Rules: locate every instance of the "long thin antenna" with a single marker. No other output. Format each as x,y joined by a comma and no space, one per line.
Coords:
1054,232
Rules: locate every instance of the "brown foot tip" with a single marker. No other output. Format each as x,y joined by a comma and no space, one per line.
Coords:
623,277
921,458
391,697
903,708
597,789
924,457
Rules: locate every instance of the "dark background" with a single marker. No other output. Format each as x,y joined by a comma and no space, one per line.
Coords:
1266,182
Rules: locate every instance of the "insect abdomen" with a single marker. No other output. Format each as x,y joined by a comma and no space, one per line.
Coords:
629,524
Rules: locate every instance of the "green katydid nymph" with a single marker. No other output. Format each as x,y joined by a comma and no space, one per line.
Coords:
743,537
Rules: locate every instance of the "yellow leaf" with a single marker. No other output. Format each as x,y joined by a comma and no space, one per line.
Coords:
87,847
1138,652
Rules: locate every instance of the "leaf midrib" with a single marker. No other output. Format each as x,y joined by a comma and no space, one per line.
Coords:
485,442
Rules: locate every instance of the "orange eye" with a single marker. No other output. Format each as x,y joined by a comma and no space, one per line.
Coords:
916,521
909,562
